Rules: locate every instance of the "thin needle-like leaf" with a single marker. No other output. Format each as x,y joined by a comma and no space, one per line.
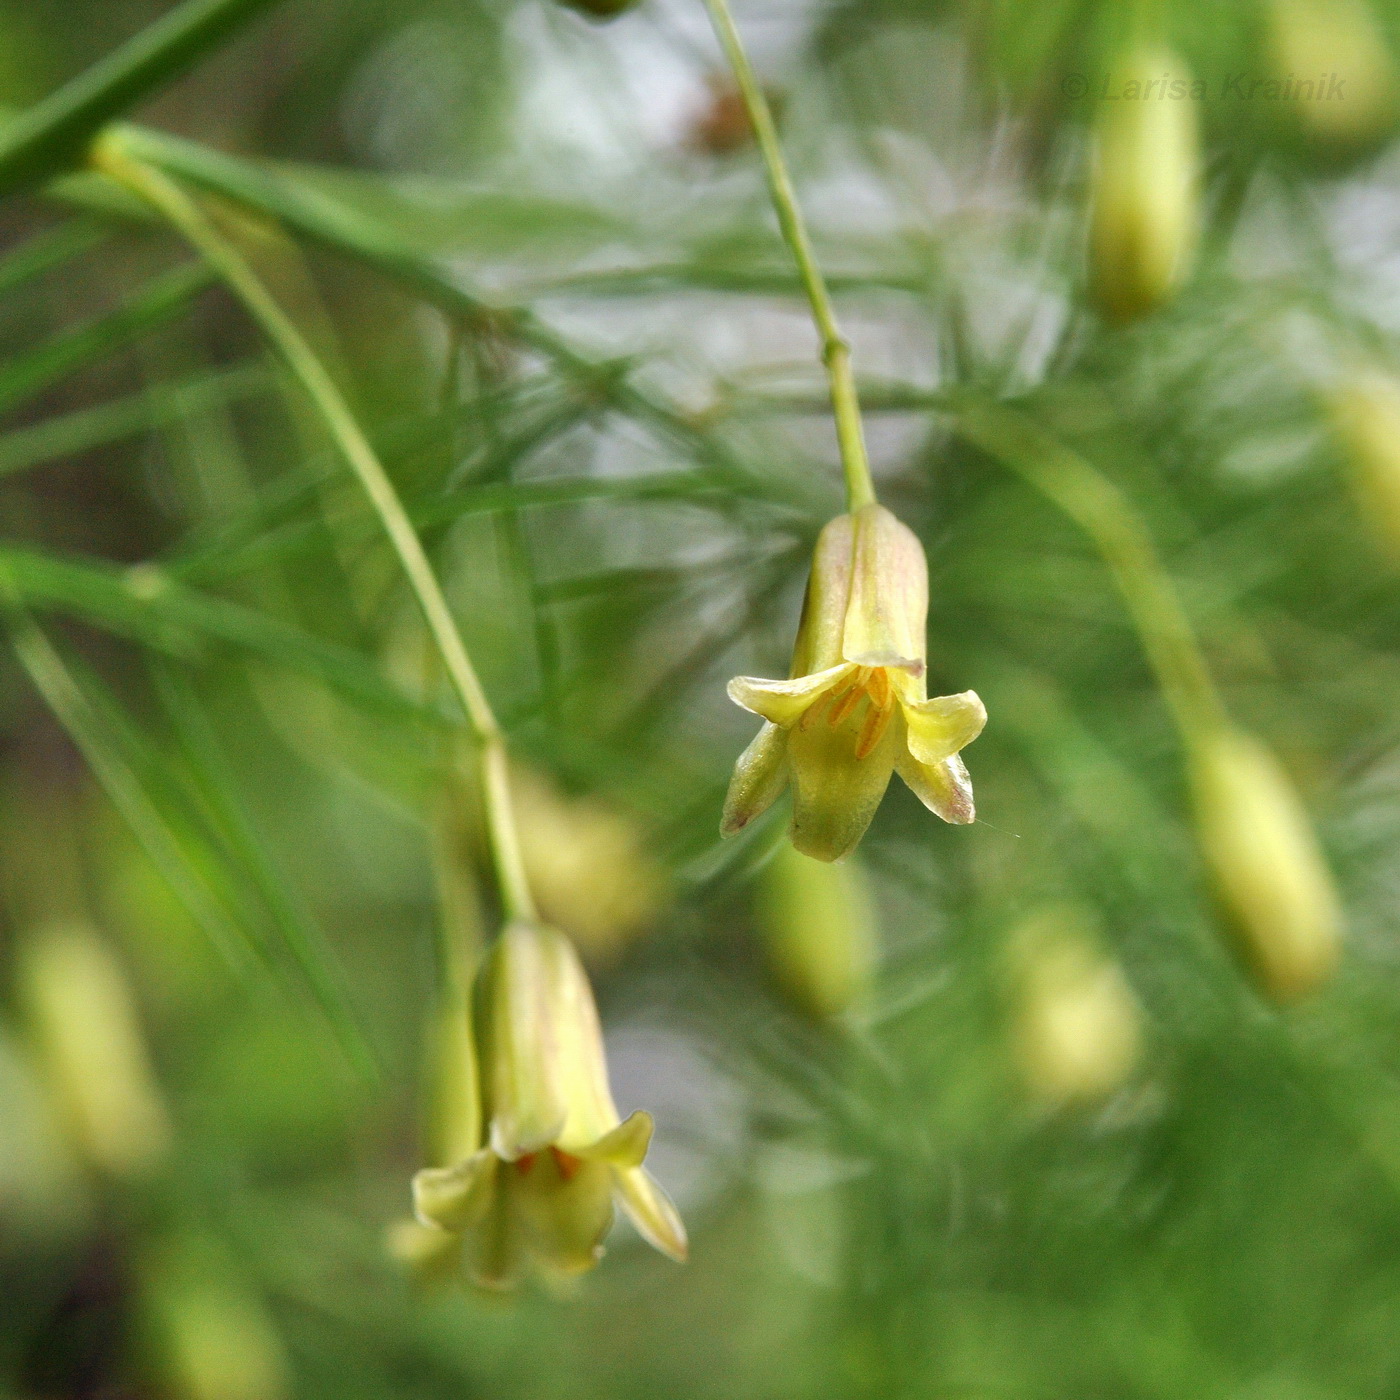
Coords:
161,299
162,405
48,249
54,132
305,942
146,604
83,723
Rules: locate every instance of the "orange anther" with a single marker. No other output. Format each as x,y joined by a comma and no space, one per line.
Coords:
568,1165
873,730
843,704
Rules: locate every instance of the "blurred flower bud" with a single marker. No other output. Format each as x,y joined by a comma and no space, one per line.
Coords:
722,126
855,710
538,1191
1331,56
83,1025
1268,870
210,1338
454,1127
41,1192
454,1109
1077,1027
818,927
1365,413
1146,197
588,866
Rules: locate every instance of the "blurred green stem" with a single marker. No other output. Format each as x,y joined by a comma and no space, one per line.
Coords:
110,156
54,132
836,353
1101,510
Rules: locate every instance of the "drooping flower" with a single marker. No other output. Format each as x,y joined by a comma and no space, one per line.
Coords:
855,710
552,1154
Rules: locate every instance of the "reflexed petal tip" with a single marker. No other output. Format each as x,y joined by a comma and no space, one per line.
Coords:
453,1198
784,702
944,788
760,775
624,1147
653,1213
939,728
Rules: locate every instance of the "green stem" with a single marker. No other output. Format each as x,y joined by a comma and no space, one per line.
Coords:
56,131
836,353
159,190
1101,510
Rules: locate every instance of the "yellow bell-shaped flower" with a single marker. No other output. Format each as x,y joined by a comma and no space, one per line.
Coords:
855,710
553,1156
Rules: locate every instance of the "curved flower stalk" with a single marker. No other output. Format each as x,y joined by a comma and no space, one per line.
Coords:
539,1189
855,710
552,1154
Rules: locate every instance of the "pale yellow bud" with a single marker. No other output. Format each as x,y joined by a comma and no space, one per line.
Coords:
88,1044
454,1107
1077,1027
818,925
1146,196
1333,60
41,1192
211,1337
1269,872
1365,413
588,866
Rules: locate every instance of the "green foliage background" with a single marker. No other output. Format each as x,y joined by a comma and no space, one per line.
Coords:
574,335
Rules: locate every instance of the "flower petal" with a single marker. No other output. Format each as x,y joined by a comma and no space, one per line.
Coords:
624,1147
944,788
888,609
784,702
835,794
823,620
454,1198
651,1210
760,775
940,727
564,1207
522,1066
